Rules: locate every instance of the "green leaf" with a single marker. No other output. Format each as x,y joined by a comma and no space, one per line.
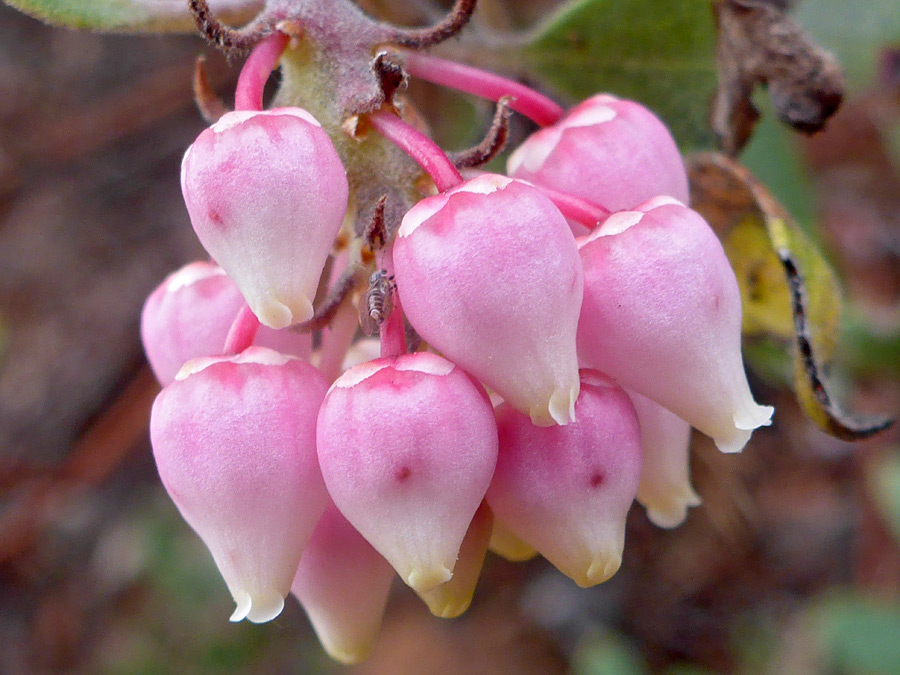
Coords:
788,290
132,15
860,634
660,52
855,32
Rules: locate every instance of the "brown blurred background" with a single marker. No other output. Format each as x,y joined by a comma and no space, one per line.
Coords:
99,575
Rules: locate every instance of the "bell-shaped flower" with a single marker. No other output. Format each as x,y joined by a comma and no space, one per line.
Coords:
489,275
665,489
343,584
235,445
407,446
452,598
267,193
662,315
609,151
567,490
189,315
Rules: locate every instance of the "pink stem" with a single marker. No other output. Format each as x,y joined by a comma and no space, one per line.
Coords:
535,106
417,145
242,332
393,332
575,208
336,340
259,65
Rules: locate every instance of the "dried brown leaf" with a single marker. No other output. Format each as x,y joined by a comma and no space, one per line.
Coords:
759,44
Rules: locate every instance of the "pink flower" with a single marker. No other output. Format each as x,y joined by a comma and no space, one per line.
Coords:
189,315
566,490
407,446
343,584
662,315
267,193
234,443
609,151
489,274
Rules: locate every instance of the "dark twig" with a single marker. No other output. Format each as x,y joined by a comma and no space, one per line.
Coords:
419,38
208,103
390,74
224,37
493,143
375,235
326,312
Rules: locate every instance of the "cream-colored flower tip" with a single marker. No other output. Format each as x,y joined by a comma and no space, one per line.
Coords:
267,193
492,279
453,597
665,489
662,315
407,447
234,442
566,491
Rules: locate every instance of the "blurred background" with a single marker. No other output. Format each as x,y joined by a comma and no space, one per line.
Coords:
792,564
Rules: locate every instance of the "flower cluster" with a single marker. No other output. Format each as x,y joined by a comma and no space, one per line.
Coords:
574,319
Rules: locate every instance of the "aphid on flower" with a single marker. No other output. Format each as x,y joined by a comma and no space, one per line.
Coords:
376,303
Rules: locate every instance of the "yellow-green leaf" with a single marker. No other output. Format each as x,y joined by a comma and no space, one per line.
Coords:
132,15
788,289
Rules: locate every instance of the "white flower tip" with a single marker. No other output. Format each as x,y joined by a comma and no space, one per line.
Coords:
560,409
753,417
264,607
424,579
746,419
602,567
672,512
276,314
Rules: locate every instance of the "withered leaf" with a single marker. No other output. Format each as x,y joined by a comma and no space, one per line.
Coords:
788,290
759,44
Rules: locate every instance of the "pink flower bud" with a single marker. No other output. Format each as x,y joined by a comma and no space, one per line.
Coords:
343,584
407,446
612,152
267,194
566,490
234,442
662,315
452,598
665,488
489,275
189,315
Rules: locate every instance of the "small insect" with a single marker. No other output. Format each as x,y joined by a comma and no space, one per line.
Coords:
376,303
